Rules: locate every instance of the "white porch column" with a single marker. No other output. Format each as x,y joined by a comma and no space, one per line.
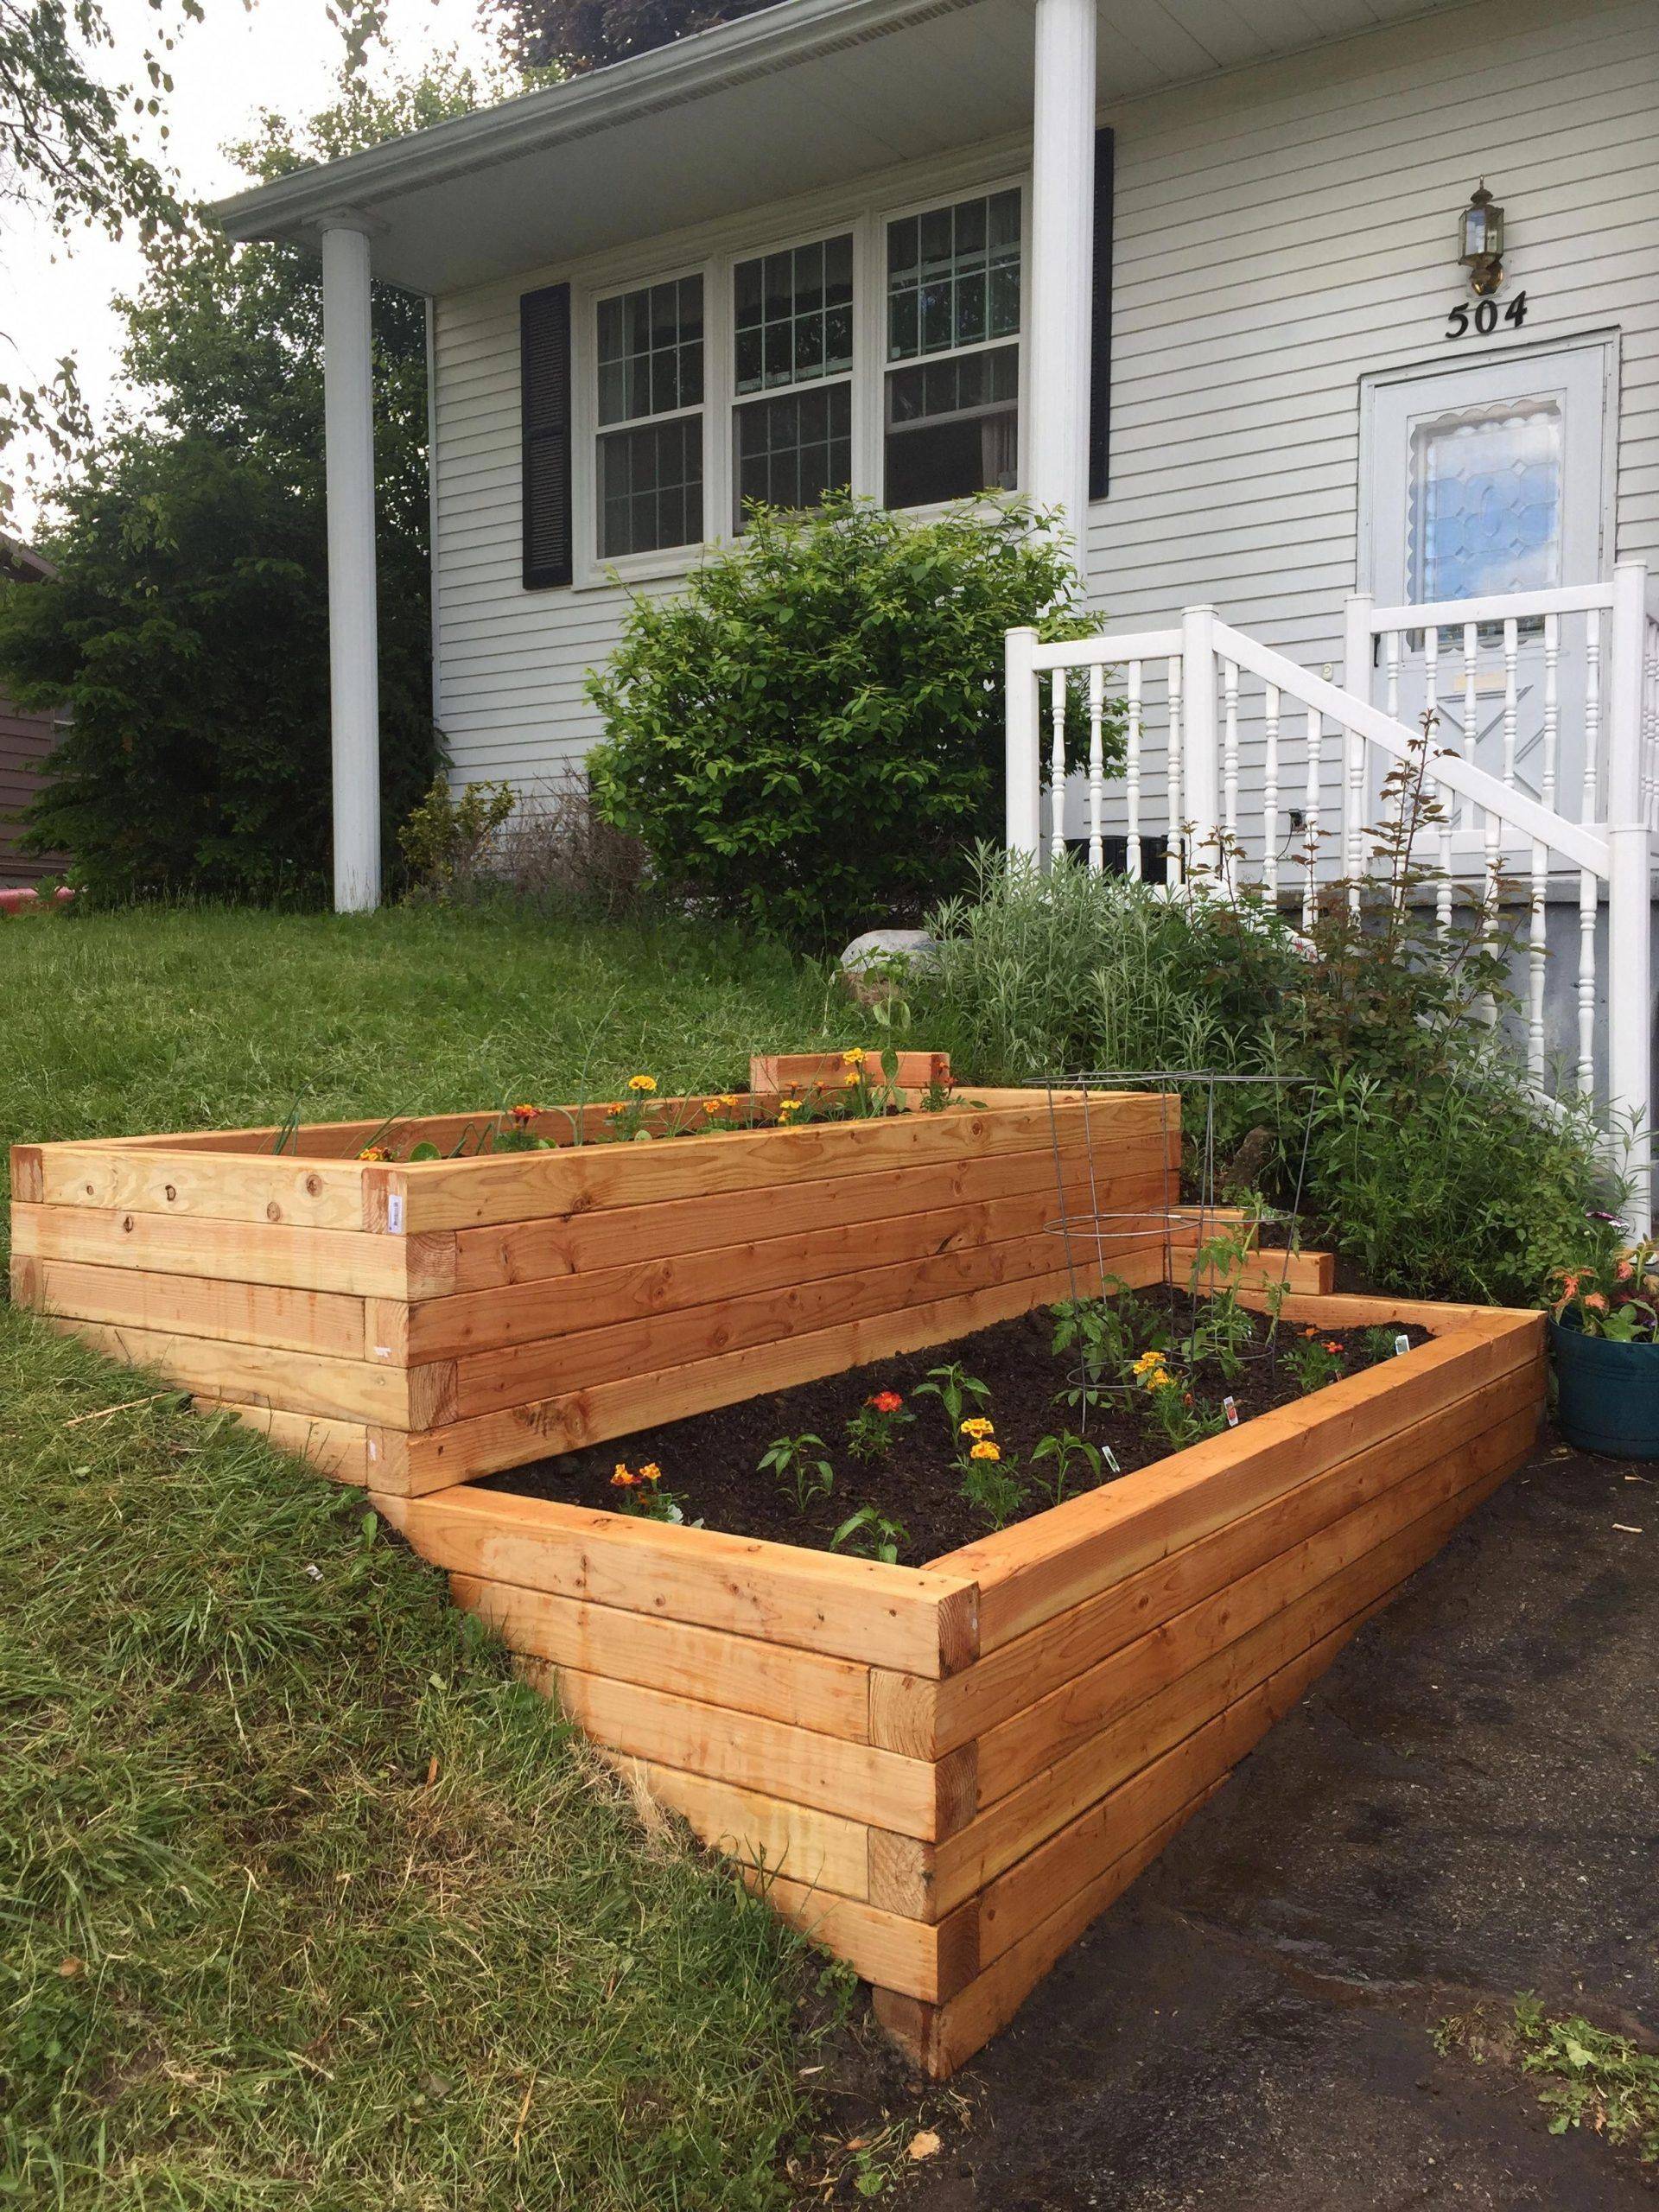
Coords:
353,651
1062,263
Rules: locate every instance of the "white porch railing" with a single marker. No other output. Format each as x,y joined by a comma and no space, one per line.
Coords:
1237,762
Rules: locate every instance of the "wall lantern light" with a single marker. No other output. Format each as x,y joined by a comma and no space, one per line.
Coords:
1480,237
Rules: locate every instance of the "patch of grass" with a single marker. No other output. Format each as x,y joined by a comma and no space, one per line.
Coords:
304,1900
1585,2076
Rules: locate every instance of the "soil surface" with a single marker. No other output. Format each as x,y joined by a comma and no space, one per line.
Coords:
1464,1806
710,1462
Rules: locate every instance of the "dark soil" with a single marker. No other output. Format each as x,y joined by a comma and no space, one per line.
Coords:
710,1462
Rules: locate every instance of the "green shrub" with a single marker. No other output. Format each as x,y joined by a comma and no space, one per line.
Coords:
1422,1154
810,734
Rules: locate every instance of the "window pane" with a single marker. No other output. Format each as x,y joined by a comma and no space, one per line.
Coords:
794,342
1484,511
953,427
650,351
651,488
793,448
953,277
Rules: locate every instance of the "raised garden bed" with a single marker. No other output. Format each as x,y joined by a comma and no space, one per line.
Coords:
943,1770
412,1323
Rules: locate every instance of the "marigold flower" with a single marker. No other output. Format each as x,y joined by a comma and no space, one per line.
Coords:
375,1152
788,1106
729,1098
644,1084
624,1478
650,1472
886,1401
978,1425
985,1450
525,1114
1149,1363
1331,1345
853,1057
853,1077
1161,1379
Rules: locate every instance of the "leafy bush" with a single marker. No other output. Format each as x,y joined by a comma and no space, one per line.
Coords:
810,734
447,838
1429,1160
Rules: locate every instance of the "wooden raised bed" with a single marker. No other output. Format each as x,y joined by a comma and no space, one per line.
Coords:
408,1327
943,1773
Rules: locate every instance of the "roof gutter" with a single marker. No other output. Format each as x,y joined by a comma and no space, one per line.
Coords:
732,54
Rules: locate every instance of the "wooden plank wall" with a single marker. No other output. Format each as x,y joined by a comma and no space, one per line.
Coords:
419,1324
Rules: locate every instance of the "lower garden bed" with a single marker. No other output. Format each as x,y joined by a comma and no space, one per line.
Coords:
872,1460
945,1771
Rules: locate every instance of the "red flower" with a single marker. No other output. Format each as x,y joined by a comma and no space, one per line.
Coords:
886,1401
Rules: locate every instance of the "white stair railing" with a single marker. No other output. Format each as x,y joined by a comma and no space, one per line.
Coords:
1244,763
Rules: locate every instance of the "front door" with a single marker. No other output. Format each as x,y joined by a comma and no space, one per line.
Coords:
1487,478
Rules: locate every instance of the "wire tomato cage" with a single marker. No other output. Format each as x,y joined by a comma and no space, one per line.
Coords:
1203,1236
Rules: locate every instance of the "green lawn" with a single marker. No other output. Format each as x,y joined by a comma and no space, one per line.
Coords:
303,1901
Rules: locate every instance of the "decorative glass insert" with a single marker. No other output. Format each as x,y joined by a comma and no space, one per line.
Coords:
651,488
953,427
650,351
792,449
953,277
1483,508
793,314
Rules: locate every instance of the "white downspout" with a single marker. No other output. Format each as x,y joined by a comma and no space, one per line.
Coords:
354,649
1062,264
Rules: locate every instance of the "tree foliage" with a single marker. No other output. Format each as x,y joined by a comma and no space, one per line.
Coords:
66,156
571,35
812,733
186,633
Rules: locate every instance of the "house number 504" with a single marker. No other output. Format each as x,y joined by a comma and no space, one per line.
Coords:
1484,318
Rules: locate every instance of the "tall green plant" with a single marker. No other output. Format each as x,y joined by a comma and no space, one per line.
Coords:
185,636
809,735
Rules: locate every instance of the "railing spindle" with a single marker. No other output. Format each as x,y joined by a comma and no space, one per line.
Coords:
1132,773
1270,796
1229,747
1443,797
1057,766
1589,883
1097,769
1311,822
1172,844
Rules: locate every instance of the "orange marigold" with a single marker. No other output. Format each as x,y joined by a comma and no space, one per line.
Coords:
886,1401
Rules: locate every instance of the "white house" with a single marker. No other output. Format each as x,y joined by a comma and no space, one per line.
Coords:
1187,269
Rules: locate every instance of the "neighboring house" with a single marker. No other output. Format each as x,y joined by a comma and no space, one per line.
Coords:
1212,307
25,741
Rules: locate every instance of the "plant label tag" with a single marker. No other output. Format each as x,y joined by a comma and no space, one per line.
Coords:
1402,1342
395,1213
1110,1457
1230,1409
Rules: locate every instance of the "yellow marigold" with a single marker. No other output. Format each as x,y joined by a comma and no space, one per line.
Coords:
986,1450
644,1084
624,1477
853,1077
788,1106
853,1057
375,1152
978,1425
650,1472
729,1098
1148,1363
1161,1379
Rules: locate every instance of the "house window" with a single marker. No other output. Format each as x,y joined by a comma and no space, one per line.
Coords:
952,386
651,418
792,355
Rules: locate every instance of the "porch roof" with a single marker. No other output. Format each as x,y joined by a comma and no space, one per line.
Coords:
803,94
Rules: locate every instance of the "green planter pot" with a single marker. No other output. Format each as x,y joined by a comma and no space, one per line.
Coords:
1609,1393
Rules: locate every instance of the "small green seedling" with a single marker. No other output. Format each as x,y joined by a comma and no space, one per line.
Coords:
871,1535
806,1476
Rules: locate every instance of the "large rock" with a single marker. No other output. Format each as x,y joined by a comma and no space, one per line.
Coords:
889,949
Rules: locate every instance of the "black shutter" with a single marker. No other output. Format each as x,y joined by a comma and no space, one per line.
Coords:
545,365
1100,326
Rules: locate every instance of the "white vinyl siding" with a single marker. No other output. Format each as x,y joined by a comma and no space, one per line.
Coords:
1281,232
